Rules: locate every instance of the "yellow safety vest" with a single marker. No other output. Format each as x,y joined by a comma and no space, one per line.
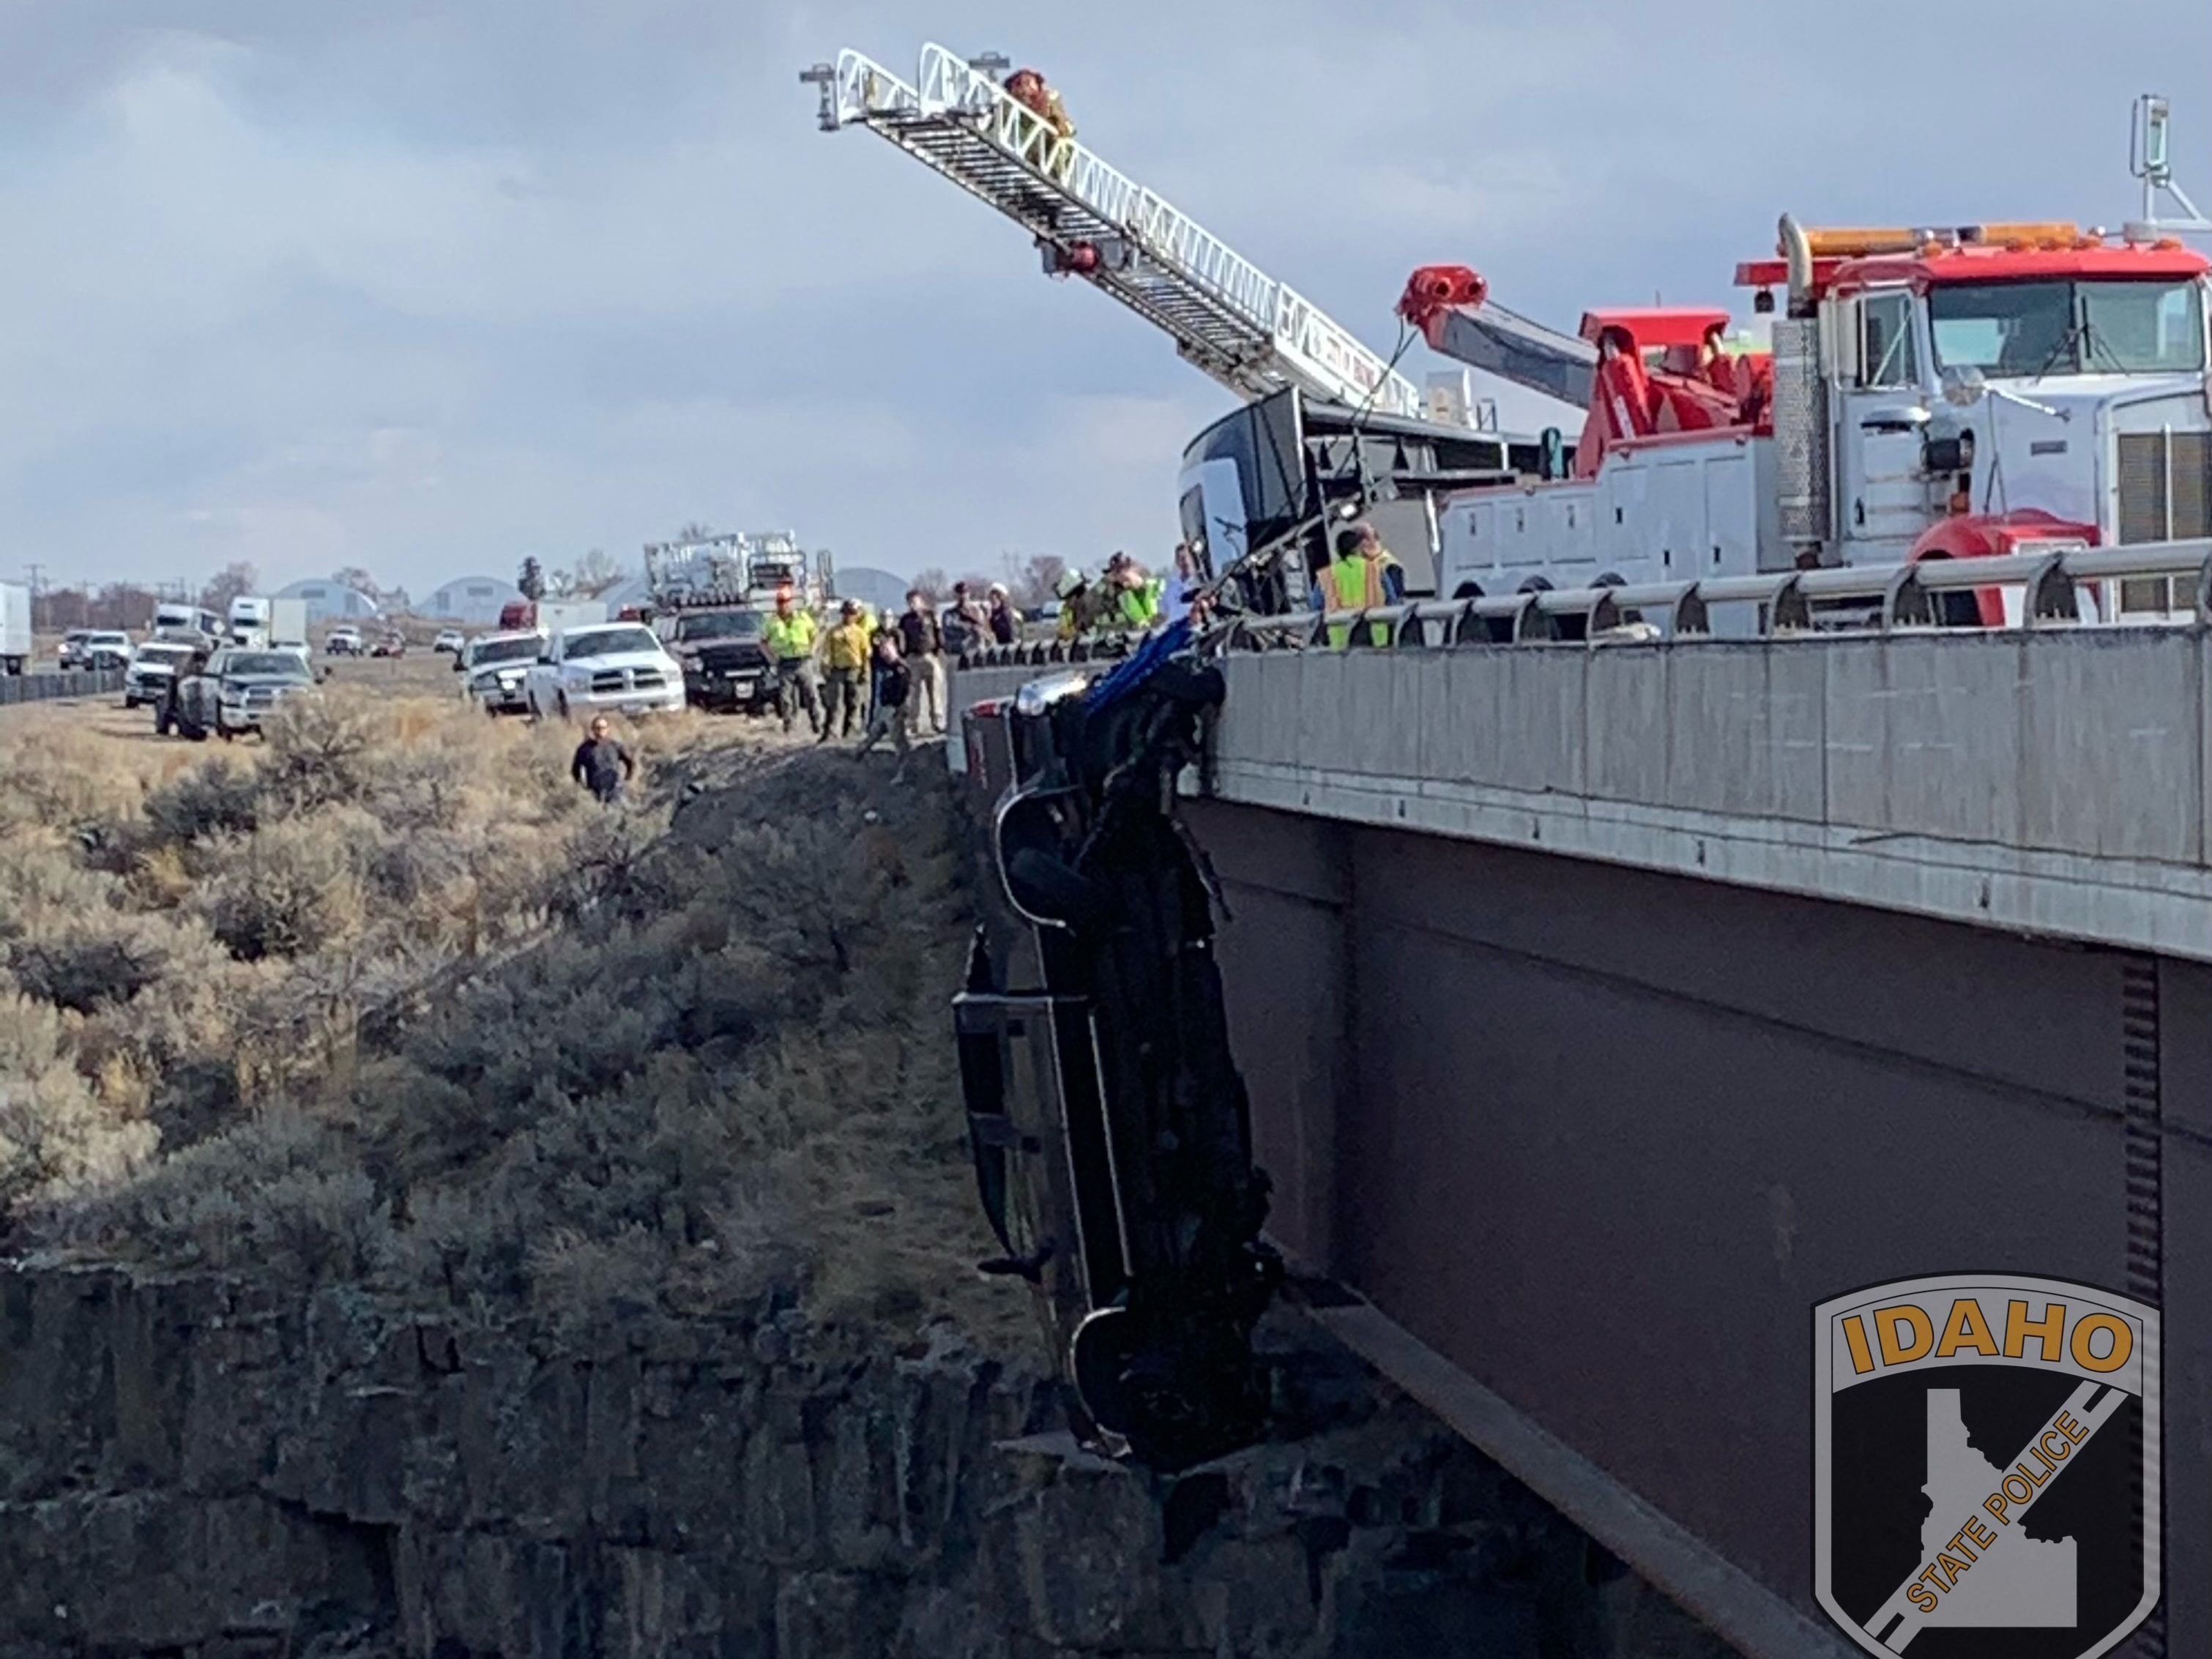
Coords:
789,638
1354,584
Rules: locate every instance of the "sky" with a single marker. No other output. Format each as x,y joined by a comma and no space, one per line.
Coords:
426,288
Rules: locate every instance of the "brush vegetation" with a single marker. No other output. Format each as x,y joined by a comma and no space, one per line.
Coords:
388,1001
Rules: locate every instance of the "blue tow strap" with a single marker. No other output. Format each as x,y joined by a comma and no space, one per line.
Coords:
1139,668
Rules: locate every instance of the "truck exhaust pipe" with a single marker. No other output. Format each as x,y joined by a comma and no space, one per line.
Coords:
1801,408
1798,253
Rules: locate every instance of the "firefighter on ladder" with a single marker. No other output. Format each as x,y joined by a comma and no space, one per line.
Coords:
1363,576
1048,150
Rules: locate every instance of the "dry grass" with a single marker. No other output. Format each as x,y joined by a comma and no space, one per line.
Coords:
388,1002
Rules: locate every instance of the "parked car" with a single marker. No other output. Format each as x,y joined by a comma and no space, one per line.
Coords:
344,641
389,645
607,667
237,691
450,639
492,668
153,666
103,648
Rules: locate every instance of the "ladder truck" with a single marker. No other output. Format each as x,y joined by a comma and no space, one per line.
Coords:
1252,333
1375,442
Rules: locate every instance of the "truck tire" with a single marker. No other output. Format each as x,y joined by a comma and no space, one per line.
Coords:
561,699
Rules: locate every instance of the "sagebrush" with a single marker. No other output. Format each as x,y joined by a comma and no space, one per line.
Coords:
388,1002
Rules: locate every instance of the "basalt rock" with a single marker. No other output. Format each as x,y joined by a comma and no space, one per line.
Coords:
201,1468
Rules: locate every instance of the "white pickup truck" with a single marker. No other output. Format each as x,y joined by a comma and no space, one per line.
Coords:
606,668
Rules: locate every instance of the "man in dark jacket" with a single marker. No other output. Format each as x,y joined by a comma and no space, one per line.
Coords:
894,682
921,642
603,765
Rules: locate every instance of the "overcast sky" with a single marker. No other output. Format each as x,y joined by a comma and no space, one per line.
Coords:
425,286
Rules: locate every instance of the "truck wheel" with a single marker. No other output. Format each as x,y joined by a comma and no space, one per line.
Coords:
562,700
161,718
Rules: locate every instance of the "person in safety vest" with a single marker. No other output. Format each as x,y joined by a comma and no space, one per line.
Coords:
789,635
845,654
1074,590
1133,595
1363,576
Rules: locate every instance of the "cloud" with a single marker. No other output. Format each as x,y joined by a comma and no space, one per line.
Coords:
425,288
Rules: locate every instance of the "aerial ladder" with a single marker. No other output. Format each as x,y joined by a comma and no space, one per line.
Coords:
1253,334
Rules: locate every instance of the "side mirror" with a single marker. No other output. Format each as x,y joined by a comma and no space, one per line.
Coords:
1963,385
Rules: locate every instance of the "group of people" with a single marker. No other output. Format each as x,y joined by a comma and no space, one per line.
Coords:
886,676
881,675
1123,598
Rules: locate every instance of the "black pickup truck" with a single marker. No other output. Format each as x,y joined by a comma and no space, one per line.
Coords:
1109,1125
725,667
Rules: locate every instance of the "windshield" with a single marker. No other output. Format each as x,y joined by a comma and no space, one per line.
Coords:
2023,330
605,642
504,651
718,625
282,663
167,653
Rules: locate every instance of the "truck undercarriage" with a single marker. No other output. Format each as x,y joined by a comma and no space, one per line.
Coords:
1108,1122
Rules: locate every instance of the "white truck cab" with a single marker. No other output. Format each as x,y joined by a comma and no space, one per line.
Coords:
1982,391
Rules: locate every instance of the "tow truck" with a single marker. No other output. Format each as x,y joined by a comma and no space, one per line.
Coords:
1931,394
1986,390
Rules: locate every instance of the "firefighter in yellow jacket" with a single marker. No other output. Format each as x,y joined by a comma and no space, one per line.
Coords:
845,658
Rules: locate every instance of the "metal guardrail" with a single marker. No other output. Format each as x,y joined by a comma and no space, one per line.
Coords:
1897,598
45,688
1791,604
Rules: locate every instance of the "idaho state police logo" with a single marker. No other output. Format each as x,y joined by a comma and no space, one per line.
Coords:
1985,1467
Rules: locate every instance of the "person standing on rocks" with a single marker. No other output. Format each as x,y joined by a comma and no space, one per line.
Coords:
845,655
921,645
894,684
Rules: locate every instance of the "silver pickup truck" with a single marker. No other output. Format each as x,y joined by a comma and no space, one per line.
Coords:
235,693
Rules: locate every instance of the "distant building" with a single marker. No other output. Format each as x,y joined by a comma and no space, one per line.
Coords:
473,599
630,592
329,601
879,590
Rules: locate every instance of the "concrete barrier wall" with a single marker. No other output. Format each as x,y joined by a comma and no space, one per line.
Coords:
2092,743
41,688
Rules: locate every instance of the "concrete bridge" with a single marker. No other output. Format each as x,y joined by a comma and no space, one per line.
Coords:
1606,1008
